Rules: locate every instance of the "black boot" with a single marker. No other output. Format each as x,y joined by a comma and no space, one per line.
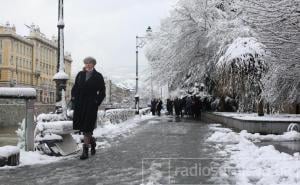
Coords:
85,152
93,146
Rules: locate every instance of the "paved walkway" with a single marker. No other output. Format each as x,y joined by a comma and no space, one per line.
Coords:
162,150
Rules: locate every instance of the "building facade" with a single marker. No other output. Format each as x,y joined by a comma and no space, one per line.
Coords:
31,62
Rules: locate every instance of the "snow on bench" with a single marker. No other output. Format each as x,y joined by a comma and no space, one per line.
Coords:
55,127
9,155
48,137
14,92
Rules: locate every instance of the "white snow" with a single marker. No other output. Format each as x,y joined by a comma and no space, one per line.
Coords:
258,165
241,47
57,127
115,115
32,158
226,135
49,117
105,132
60,22
268,117
61,75
113,130
48,137
7,151
125,84
17,92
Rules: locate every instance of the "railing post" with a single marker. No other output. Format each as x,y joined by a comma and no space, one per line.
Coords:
29,125
29,95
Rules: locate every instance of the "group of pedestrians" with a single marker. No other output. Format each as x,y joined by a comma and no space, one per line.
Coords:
156,106
190,106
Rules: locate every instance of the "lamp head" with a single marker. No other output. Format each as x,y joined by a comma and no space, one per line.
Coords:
149,29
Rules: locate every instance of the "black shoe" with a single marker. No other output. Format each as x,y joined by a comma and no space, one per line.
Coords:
93,146
85,152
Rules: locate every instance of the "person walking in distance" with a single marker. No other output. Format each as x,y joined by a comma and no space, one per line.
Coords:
153,106
88,93
159,106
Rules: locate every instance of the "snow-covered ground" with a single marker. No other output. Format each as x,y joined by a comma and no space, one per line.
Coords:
252,164
104,133
112,130
267,117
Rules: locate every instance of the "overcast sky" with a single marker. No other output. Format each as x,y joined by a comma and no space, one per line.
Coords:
105,29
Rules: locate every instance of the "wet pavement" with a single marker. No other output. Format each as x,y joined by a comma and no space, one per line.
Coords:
162,150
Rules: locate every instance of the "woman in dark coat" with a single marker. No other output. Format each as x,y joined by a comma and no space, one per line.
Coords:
88,93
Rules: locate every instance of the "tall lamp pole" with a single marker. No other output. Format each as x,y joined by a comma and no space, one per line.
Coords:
140,42
60,77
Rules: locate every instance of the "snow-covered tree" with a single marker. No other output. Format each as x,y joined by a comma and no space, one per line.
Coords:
277,24
186,43
199,34
240,72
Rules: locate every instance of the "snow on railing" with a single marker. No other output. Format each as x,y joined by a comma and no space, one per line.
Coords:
13,92
115,115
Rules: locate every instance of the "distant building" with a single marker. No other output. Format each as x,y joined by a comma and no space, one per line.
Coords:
31,62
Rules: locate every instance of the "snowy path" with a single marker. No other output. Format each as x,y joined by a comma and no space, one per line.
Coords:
178,143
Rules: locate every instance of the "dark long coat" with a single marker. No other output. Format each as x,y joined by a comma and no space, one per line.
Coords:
87,96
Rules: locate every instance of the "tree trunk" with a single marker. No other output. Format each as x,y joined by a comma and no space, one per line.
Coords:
260,108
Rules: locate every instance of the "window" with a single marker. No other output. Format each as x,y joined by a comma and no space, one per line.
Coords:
0,58
12,46
11,60
0,44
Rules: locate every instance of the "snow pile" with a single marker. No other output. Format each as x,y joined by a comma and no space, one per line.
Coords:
21,134
48,137
61,75
254,116
145,111
258,165
56,127
226,135
264,165
49,117
7,151
121,129
17,92
109,131
287,136
242,48
32,158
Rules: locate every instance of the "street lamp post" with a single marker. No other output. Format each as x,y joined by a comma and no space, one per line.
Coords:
60,77
140,42
151,85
